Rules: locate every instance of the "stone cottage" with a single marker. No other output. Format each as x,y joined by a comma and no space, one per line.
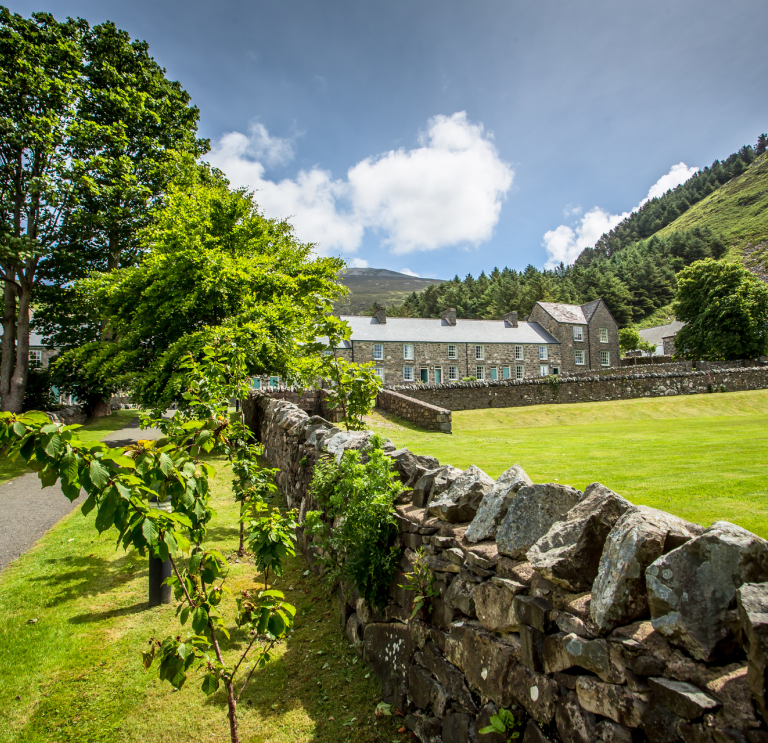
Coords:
588,334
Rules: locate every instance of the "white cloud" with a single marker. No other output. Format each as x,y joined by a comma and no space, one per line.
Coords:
565,243
408,272
358,263
447,191
572,211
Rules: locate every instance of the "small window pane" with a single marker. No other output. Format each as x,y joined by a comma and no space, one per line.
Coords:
519,371
408,373
605,358
603,335
452,354
35,359
408,351
480,372
518,353
578,333
378,351
380,373
479,353
453,373
543,370
542,352
579,357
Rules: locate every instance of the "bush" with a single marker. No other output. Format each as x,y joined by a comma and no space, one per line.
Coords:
357,528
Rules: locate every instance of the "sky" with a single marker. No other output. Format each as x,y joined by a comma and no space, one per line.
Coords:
444,137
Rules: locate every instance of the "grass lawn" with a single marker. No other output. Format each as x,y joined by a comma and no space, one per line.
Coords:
702,457
76,674
89,433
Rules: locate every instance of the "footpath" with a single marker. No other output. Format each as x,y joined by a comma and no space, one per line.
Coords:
28,510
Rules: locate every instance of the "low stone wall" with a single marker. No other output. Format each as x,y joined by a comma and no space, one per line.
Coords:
422,414
617,386
592,619
647,361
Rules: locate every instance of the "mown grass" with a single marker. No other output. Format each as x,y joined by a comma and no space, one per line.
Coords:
90,433
702,457
76,674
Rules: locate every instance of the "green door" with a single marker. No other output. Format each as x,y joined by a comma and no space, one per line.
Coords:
438,376
425,376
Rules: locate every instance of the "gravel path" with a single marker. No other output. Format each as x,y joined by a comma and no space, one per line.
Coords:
28,511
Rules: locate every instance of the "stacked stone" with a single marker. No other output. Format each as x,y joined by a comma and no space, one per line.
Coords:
592,619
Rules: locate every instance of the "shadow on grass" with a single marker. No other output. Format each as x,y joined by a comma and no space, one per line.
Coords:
100,616
400,422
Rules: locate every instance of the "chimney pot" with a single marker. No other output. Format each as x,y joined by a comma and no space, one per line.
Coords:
381,315
449,315
511,319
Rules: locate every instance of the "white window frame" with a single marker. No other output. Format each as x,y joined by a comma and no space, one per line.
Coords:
35,359
579,355
505,372
543,370
578,332
519,356
378,351
379,371
543,353
453,351
603,335
480,372
479,353
408,351
453,373
408,374
605,358
519,371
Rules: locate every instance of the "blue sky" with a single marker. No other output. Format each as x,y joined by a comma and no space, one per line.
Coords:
445,136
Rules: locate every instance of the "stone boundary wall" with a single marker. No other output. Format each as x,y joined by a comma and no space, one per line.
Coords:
422,414
617,386
646,360
592,619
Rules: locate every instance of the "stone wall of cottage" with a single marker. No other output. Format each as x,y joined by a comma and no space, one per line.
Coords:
598,387
590,618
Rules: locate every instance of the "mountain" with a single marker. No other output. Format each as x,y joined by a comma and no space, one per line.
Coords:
369,285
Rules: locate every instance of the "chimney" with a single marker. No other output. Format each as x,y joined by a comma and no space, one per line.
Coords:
511,319
381,315
449,316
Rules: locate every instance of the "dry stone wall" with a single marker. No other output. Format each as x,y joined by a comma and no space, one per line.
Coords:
616,386
423,414
591,618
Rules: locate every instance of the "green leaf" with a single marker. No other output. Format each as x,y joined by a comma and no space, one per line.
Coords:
125,492
276,625
19,428
200,620
150,531
184,615
210,683
68,467
99,474
53,447
166,464
90,502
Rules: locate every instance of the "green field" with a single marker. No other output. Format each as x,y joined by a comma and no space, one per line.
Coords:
702,457
76,675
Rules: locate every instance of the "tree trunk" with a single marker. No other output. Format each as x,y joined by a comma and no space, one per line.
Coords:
101,408
14,401
8,344
241,548
232,712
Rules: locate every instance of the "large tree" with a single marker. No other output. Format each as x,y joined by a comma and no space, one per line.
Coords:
725,308
90,129
210,261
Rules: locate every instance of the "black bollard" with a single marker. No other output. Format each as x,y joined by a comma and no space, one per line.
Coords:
158,572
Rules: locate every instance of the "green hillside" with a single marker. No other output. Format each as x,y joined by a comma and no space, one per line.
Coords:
738,212
369,285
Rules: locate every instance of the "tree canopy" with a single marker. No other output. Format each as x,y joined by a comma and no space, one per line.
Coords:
725,308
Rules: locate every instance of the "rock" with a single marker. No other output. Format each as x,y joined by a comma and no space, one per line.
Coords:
522,572
483,556
355,631
531,648
682,698
592,655
456,727
660,724
426,729
569,553
441,565
531,514
494,604
533,733
460,595
482,721
495,503
639,537
418,631
611,732
484,659
455,555
574,723
729,735
752,602
533,612
535,692
425,692
609,700
388,649
432,483
442,615
569,623
412,466
460,501
690,590
695,733
449,676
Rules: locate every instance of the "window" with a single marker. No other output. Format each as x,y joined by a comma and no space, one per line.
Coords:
452,352
326,353
35,359
543,353
578,357
408,351
479,353
578,333
256,383
519,371
543,370
603,335
605,358
378,351
480,372
408,373
380,373
494,372
274,381
555,369
518,353
505,372
453,373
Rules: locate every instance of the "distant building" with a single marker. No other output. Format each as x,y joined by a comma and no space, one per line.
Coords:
662,337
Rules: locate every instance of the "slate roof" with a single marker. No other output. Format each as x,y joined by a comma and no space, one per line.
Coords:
428,330
657,334
570,313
